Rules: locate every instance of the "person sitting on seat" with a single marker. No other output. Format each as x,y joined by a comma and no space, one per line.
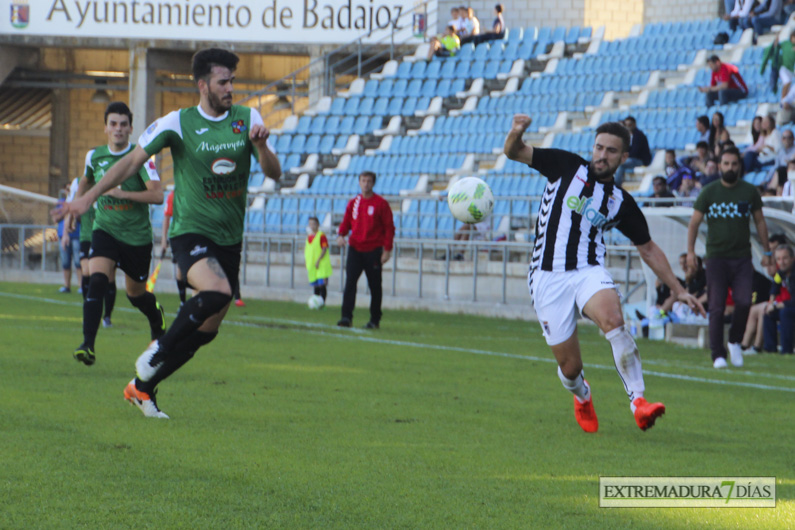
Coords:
446,46
726,85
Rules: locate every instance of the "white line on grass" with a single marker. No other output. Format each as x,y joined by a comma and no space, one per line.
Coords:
345,334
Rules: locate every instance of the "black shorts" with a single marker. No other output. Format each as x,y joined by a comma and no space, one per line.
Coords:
85,249
188,249
133,260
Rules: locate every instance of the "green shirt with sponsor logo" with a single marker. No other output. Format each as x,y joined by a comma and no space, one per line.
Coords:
212,159
728,213
125,220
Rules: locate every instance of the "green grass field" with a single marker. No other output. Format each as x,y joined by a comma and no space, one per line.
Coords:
434,421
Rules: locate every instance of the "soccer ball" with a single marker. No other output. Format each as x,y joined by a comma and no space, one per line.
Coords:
315,302
470,200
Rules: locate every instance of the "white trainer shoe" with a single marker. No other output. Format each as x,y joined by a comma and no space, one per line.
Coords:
142,400
720,362
149,362
736,354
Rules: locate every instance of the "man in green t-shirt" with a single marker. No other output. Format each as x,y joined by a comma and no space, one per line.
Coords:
728,205
121,233
211,145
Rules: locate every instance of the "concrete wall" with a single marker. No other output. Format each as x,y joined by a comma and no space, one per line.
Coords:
673,10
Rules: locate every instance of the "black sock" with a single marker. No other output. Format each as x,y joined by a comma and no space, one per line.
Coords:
92,307
147,304
317,290
182,287
191,315
181,354
110,298
84,283
323,292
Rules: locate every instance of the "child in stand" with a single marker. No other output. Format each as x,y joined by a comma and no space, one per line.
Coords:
316,254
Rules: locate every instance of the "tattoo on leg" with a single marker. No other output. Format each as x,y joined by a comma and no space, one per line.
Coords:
216,267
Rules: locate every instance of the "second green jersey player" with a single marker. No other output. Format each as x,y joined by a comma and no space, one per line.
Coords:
122,233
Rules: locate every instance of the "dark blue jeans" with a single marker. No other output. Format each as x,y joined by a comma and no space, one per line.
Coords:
785,318
725,96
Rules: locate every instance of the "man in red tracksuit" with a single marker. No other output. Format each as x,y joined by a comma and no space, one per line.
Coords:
368,219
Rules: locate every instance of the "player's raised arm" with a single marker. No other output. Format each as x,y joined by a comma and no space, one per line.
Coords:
121,171
514,147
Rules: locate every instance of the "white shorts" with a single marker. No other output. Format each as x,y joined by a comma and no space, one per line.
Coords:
557,296
787,77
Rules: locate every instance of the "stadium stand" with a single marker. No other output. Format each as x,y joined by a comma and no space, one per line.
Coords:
420,124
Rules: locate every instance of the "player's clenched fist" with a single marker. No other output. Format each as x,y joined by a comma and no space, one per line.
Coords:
520,123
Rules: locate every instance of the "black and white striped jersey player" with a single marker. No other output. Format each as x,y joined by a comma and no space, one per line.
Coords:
581,201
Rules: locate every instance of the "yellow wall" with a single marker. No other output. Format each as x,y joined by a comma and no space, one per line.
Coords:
617,16
24,162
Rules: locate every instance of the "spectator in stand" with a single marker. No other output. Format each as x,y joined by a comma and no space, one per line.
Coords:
674,171
764,16
711,173
715,130
464,26
455,19
778,175
728,205
689,188
785,53
763,152
702,126
497,29
787,188
639,152
661,191
754,328
472,22
756,128
368,219
698,163
740,12
726,85
783,311
446,46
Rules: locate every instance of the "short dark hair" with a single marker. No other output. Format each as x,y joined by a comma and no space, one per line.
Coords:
786,248
315,219
462,7
734,152
703,120
659,178
498,8
713,59
631,118
368,174
616,129
452,28
204,60
702,144
672,151
118,107
781,239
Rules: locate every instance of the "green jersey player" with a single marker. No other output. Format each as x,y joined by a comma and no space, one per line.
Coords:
211,145
122,234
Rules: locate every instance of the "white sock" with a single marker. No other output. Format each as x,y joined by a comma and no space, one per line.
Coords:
627,359
576,386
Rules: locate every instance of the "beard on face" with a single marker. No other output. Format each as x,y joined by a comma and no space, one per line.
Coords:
219,104
605,173
730,177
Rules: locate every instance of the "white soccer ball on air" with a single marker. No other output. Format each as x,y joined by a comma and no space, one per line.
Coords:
470,200
315,302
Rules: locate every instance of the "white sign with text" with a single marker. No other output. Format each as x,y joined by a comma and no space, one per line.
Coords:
266,21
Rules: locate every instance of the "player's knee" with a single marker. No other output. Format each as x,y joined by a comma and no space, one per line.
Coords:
208,303
97,286
571,368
